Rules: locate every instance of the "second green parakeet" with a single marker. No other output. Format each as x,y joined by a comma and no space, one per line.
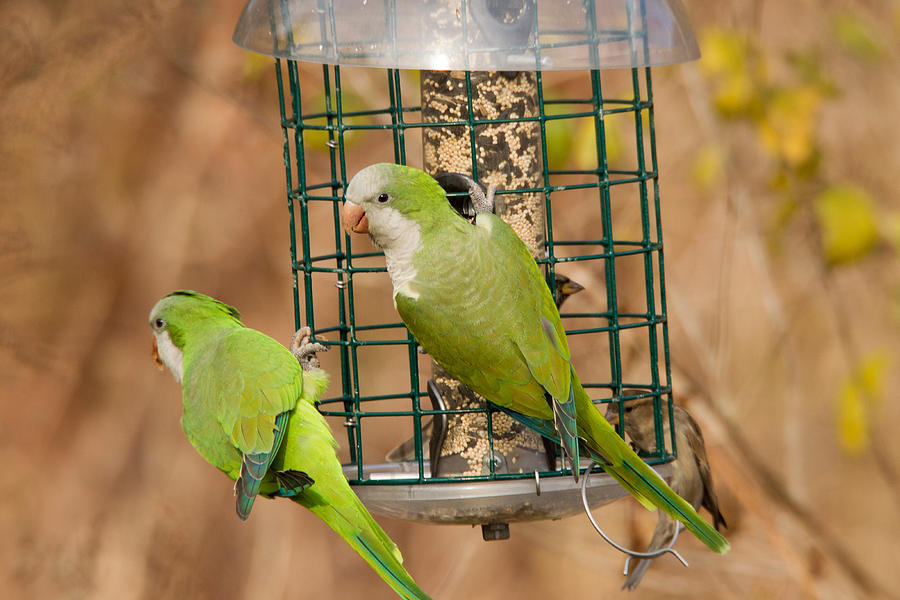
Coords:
248,409
474,298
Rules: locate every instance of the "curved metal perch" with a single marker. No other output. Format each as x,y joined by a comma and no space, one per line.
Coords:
631,553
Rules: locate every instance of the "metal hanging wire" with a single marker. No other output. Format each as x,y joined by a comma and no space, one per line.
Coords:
630,553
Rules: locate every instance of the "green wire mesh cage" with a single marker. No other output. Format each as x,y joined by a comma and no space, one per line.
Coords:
572,159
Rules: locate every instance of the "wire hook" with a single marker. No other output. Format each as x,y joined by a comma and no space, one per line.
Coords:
631,553
678,529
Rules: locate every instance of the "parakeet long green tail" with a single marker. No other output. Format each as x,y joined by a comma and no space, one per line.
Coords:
634,474
309,447
368,539
626,467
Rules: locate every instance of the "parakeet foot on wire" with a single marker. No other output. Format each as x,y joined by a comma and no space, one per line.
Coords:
304,350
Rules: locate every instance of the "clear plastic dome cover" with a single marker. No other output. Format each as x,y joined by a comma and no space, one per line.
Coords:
473,35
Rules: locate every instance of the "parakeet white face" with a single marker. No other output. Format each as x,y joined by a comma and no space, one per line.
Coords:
165,352
375,206
168,354
176,315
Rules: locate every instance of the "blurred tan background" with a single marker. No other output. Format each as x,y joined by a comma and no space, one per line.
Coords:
140,152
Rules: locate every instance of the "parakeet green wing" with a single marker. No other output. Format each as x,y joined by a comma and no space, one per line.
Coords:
253,384
545,348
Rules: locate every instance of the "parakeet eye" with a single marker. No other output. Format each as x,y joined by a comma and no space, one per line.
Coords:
159,323
383,198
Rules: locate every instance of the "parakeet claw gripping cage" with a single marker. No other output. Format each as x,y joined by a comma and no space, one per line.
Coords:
520,97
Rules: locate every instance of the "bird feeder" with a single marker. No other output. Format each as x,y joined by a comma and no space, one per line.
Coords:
549,105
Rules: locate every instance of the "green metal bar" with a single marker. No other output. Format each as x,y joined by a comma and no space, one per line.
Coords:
362,113
470,117
349,379
288,176
626,106
550,243
396,95
353,423
393,413
660,264
300,200
607,233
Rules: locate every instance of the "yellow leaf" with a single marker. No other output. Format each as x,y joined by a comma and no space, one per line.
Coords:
316,140
584,143
847,222
892,230
870,375
708,167
861,393
615,145
788,127
738,72
736,96
256,67
722,52
853,420
558,135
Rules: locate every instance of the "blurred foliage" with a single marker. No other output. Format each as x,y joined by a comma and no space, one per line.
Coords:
788,128
861,393
856,37
848,223
892,230
709,167
785,115
256,67
784,112
571,143
809,67
895,305
317,139
738,70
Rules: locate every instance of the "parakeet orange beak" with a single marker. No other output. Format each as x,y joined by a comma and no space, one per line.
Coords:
158,362
354,219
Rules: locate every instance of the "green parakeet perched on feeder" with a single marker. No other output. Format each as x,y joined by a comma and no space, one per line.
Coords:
248,409
474,298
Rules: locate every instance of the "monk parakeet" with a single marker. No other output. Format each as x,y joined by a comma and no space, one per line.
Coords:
469,198
691,477
474,298
248,409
